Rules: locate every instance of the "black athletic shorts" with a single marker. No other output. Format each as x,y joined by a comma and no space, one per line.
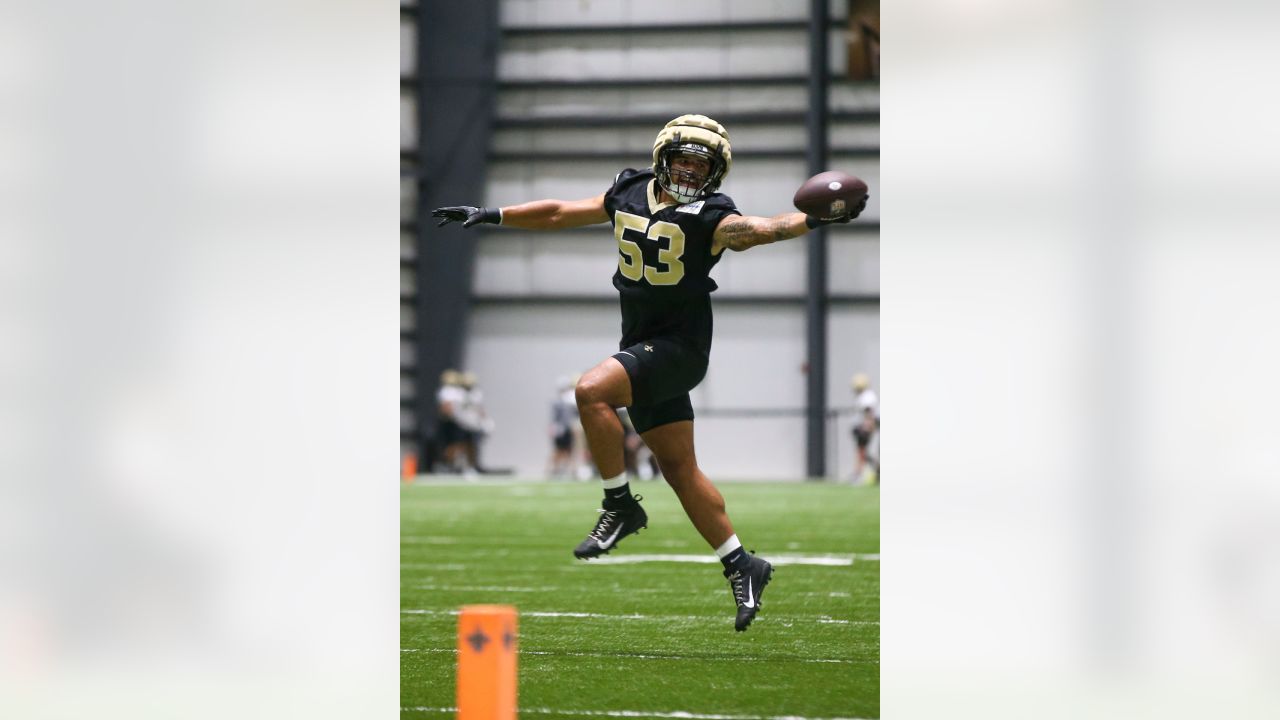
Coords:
662,371
563,440
450,432
862,435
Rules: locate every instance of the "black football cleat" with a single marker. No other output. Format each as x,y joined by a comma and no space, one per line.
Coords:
613,524
747,587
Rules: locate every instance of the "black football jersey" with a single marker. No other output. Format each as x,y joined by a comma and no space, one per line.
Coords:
664,258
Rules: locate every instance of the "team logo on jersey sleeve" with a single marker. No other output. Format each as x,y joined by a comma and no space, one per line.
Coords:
692,208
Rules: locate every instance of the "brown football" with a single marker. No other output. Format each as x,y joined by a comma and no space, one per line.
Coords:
830,194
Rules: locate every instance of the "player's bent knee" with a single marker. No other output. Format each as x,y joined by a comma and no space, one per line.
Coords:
596,388
588,391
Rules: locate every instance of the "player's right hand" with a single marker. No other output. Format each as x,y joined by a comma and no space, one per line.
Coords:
467,215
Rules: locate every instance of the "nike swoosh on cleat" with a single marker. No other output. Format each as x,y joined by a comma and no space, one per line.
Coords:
609,543
750,602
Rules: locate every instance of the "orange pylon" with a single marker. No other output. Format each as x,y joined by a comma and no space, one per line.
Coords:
409,467
487,662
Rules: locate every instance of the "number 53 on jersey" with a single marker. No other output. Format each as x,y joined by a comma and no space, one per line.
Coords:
670,241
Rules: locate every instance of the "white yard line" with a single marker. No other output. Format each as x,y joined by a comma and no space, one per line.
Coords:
682,714
781,559
636,616
557,615
630,591
645,656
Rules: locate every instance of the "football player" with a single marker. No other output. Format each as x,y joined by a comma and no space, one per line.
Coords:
449,433
865,426
671,227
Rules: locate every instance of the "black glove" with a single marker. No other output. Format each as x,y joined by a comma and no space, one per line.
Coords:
813,221
467,215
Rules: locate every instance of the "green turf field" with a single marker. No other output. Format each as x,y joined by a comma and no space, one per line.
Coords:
652,638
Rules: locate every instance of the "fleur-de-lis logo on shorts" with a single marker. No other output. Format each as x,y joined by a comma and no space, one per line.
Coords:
648,348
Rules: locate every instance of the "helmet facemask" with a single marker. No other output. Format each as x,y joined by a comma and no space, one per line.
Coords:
684,185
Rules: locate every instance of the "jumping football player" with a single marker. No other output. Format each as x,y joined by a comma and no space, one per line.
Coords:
671,227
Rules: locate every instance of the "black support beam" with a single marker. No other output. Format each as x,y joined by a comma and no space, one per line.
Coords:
529,31
816,303
624,156
410,83
455,122
632,83
646,120
718,299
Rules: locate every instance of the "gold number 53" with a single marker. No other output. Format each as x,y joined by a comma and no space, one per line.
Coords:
631,259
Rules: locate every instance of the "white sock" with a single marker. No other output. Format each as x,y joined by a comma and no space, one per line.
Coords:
729,546
617,482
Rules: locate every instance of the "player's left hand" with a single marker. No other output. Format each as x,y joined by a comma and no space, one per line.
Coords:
467,215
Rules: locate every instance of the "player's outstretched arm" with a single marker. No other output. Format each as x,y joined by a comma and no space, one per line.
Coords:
536,215
741,232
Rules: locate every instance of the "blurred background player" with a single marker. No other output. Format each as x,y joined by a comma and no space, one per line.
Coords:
564,418
631,444
475,422
671,228
866,431
584,467
450,436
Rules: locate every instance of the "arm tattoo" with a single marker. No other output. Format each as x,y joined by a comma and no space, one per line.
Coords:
737,234
749,232
779,230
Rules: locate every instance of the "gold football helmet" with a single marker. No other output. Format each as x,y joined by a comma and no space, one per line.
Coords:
696,135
